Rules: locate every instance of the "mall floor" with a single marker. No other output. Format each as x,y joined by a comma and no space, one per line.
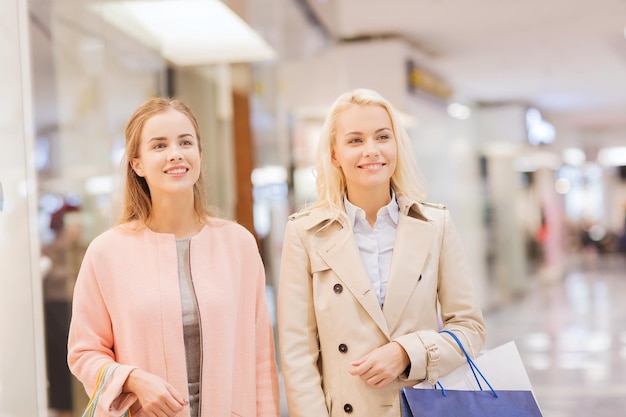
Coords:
571,334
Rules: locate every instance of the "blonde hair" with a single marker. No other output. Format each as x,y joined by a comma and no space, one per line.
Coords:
407,179
137,202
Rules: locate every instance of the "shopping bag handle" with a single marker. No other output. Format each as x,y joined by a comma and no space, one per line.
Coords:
471,364
103,377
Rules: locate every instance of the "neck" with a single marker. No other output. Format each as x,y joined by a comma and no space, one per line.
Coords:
174,216
370,201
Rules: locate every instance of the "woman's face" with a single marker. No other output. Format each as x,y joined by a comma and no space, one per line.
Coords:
169,154
365,148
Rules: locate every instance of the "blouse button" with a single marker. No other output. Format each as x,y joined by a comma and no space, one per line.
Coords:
343,348
338,288
347,408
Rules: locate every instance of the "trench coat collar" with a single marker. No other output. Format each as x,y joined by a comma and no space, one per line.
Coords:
318,217
338,248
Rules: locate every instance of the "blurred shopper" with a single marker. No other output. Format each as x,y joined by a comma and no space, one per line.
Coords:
173,295
370,274
57,301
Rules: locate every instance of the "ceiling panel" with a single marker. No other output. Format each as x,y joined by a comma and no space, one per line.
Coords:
564,56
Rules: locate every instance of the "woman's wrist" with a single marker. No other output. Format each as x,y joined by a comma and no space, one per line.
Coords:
131,380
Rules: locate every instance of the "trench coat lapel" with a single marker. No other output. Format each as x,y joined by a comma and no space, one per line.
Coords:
341,253
410,252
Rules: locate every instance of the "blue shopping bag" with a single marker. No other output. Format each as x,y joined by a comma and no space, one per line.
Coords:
417,402
441,402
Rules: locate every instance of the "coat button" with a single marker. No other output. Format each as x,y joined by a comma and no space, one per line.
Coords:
347,408
343,348
338,288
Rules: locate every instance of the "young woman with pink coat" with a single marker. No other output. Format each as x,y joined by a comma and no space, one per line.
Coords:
173,295
370,274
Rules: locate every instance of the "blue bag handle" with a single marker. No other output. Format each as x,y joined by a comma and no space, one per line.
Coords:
471,364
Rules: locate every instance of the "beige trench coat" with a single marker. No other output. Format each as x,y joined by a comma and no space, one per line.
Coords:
329,316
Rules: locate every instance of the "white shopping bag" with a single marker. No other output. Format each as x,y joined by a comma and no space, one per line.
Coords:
501,366
507,393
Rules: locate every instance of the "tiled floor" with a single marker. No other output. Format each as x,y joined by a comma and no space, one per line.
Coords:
571,335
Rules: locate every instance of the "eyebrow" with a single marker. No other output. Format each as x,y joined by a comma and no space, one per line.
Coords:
360,133
161,138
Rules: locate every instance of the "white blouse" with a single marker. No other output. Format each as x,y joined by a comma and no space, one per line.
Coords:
375,244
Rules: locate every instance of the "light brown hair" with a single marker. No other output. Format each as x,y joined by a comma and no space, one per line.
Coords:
137,202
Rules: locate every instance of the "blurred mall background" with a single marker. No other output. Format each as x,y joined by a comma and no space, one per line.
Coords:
517,111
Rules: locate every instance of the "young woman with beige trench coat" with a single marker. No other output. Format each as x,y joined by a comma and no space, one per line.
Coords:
370,274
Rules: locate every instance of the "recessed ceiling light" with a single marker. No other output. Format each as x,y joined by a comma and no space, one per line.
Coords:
459,111
187,32
612,156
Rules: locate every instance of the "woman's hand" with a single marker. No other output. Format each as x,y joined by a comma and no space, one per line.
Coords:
382,365
156,396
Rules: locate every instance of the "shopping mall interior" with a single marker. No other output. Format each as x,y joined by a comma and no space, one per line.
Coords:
515,112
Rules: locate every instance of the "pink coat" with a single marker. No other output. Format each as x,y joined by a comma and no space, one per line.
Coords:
127,309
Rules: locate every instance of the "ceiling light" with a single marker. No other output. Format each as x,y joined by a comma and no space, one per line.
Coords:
187,32
539,131
612,156
573,156
459,111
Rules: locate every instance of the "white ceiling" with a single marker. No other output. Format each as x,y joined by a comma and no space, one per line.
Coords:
567,57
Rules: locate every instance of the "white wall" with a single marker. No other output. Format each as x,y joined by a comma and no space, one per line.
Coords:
207,90
502,136
448,152
316,82
22,370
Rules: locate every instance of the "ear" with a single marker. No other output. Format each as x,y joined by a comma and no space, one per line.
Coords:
136,166
333,158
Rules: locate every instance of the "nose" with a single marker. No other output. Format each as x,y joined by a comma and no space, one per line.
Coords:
370,148
175,155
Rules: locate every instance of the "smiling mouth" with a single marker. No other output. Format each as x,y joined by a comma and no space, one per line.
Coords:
177,171
373,166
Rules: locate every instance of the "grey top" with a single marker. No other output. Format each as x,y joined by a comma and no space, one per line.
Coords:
191,325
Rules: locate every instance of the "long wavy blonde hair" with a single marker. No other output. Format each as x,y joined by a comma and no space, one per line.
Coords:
137,202
407,179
